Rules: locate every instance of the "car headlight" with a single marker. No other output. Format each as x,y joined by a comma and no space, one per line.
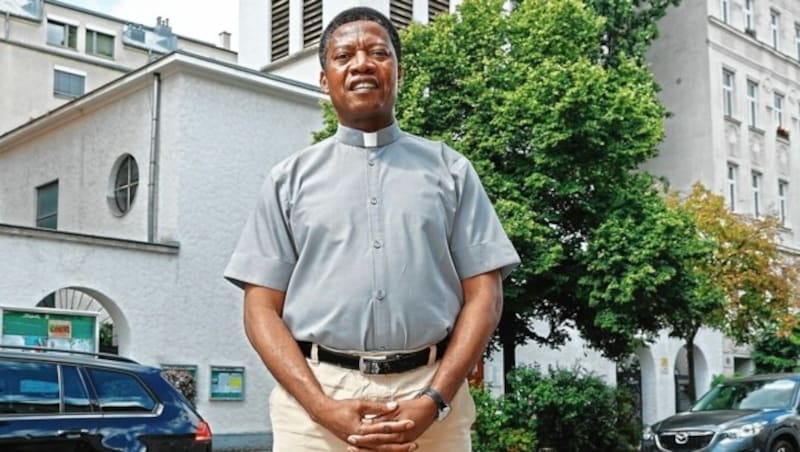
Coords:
647,434
745,431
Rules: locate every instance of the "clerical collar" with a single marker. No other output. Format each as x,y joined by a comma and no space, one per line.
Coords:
355,137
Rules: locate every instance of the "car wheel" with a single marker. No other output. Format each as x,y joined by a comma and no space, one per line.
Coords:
782,446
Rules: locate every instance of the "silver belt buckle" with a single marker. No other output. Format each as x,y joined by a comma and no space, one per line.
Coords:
371,365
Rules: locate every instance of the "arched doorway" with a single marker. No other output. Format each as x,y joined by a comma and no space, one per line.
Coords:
683,401
79,299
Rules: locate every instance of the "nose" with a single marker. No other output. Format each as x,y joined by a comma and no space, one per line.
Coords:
362,62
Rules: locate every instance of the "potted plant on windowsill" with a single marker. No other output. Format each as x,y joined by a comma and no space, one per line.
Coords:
750,32
782,132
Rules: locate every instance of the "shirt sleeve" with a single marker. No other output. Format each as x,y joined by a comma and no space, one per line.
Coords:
478,242
265,254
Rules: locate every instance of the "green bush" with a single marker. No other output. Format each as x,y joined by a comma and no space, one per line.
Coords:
568,410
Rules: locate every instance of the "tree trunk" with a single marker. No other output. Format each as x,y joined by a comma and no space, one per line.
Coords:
509,347
690,357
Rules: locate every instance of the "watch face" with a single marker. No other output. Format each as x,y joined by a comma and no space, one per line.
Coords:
443,412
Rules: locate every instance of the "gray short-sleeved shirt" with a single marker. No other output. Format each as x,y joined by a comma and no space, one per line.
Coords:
370,235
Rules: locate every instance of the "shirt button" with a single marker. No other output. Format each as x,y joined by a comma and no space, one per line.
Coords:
371,162
373,201
377,244
380,295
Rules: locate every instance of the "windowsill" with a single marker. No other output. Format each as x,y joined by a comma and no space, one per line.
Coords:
99,55
782,139
757,130
733,120
58,46
66,96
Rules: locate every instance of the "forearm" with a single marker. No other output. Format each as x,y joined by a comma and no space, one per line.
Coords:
477,321
279,351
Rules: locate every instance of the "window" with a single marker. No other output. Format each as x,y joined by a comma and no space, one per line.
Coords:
797,40
98,43
401,12
125,184
752,103
68,84
61,34
724,10
75,398
748,15
117,391
29,388
312,22
775,27
732,176
47,206
436,7
777,109
280,29
783,205
757,204
727,92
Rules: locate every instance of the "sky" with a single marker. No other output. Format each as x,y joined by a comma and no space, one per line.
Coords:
202,20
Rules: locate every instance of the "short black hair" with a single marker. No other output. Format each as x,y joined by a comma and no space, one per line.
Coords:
353,15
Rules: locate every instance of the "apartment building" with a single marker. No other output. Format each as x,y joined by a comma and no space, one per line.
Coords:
53,52
730,74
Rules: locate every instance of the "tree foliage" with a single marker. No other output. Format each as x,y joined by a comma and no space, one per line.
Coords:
759,283
774,352
749,285
557,132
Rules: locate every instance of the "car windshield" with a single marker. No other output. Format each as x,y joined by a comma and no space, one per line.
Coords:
748,395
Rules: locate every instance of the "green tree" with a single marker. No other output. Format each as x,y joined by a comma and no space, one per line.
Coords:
631,25
557,135
774,352
750,284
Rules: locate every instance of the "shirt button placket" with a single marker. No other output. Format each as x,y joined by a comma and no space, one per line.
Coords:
380,313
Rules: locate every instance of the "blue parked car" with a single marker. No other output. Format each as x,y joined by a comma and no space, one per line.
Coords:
82,402
752,414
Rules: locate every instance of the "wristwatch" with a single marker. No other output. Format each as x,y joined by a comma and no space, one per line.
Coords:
442,406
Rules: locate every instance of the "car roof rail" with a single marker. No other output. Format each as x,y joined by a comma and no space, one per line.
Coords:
101,355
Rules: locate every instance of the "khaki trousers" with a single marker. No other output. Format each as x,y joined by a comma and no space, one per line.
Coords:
294,431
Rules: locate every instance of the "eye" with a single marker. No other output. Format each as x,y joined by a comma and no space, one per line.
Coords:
341,56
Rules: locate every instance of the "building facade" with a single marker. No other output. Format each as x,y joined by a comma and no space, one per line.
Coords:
56,52
130,199
730,77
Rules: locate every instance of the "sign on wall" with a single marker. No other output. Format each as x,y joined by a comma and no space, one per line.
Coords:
50,328
227,383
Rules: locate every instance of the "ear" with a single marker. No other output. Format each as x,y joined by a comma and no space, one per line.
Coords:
323,82
399,76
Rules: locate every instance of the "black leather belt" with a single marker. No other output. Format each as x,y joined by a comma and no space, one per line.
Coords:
376,365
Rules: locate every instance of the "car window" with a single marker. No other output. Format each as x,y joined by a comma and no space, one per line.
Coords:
75,398
118,391
749,395
28,388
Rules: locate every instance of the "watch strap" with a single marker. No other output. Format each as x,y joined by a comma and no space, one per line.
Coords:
443,409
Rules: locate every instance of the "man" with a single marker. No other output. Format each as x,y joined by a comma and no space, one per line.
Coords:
372,269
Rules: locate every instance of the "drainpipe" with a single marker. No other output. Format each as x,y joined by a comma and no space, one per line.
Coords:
152,184
7,25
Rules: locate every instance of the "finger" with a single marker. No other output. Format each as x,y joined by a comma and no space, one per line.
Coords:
385,427
377,408
407,447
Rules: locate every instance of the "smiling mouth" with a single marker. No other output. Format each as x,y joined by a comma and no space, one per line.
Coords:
363,86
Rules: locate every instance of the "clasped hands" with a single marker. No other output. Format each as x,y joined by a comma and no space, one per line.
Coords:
377,426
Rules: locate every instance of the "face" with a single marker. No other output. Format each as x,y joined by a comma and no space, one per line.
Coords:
361,75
